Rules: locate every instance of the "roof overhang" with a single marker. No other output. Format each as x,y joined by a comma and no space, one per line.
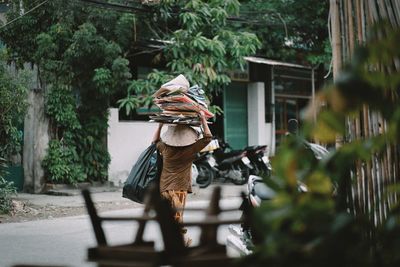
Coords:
270,62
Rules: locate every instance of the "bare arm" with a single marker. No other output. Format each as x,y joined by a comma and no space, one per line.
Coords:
203,119
156,136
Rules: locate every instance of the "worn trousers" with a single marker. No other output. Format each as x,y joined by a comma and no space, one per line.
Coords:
177,199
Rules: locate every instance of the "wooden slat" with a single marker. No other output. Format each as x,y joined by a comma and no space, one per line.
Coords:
212,220
129,218
142,253
133,253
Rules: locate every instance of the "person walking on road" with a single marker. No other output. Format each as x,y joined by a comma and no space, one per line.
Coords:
178,147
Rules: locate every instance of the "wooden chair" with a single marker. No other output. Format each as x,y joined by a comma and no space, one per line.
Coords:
137,253
140,253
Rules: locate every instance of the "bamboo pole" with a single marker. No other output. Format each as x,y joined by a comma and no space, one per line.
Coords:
350,28
336,47
395,6
336,42
350,21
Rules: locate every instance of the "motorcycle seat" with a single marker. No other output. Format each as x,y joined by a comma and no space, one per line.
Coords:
251,148
263,191
224,155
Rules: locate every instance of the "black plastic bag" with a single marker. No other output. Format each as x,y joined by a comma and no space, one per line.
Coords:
146,171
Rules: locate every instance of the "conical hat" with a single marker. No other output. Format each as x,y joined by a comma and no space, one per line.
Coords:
180,135
178,83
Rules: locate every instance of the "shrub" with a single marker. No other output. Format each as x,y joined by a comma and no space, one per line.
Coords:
7,189
13,103
62,164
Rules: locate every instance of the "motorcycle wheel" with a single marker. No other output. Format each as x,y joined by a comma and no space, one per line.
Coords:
205,176
245,173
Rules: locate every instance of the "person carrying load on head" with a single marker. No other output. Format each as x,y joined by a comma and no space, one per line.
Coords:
178,147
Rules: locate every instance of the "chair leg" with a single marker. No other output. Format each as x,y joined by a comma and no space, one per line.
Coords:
94,218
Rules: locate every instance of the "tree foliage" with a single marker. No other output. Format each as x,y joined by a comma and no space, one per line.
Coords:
7,189
80,52
289,30
199,44
13,104
85,56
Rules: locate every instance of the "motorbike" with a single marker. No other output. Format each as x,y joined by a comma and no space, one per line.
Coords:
231,165
241,238
204,164
259,161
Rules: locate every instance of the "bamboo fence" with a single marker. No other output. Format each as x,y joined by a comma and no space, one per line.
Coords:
350,21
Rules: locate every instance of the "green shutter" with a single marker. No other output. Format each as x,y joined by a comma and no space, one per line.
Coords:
235,115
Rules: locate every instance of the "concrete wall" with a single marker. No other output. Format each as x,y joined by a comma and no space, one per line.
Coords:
256,114
270,132
126,140
36,139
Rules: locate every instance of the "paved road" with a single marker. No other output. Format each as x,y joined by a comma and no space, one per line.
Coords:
64,241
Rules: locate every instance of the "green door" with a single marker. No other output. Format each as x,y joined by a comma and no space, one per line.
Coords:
235,115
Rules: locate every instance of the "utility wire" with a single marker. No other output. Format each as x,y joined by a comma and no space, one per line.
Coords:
26,13
115,6
125,8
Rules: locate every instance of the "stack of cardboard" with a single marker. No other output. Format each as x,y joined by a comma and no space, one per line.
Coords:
179,103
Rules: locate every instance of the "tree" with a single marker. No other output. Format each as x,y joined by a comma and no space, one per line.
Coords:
13,103
79,52
289,30
85,55
199,43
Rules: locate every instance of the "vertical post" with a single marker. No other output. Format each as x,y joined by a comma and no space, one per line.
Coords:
273,130
313,94
36,140
336,42
336,47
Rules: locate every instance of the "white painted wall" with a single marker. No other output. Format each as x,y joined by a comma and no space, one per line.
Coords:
259,132
269,134
126,140
256,114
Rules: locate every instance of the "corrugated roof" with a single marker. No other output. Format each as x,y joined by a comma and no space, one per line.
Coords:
271,62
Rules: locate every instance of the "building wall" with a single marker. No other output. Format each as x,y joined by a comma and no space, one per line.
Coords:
259,132
126,140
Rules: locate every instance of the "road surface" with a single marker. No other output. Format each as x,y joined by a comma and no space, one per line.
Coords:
64,241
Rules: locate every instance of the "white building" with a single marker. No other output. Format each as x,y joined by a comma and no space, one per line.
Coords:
257,105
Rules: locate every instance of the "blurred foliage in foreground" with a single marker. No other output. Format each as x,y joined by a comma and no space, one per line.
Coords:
317,228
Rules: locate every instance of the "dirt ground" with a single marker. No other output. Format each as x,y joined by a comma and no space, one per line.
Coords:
25,211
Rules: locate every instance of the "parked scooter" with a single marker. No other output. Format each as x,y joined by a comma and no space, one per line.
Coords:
241,238
259,161
232,165
205,163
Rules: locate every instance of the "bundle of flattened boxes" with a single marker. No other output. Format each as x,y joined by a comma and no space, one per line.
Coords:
180,103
